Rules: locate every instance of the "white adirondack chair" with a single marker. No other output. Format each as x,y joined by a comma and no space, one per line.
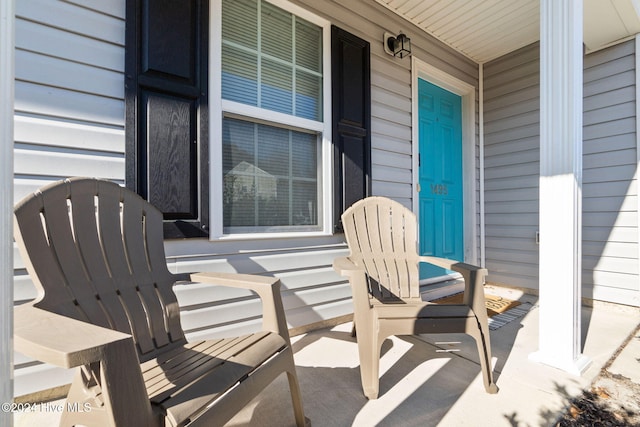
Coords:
383,271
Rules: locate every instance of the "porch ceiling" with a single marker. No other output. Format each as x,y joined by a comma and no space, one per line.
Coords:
485,30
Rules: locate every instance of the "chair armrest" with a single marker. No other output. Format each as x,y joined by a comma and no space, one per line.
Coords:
473,279
450,264
345,267
61,340
267,288
68,343
358,280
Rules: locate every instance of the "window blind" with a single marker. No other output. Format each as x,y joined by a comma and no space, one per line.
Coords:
271,59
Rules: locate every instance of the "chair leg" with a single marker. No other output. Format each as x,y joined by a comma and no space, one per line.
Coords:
369,353
296,399
483,342
75,412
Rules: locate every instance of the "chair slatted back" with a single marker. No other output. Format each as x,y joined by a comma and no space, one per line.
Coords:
95,252
381,235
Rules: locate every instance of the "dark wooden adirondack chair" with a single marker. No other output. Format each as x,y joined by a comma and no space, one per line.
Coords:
383,271
105,304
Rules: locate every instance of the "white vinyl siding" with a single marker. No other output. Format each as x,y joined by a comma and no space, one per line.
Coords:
66,123
610,194
512,167
69,117
610,186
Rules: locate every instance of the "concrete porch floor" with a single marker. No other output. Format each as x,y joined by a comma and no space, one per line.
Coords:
430,381
423,385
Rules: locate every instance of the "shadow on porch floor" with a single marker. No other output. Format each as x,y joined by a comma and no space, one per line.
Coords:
429,383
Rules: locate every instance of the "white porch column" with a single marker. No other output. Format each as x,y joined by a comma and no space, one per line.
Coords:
561,71
7,8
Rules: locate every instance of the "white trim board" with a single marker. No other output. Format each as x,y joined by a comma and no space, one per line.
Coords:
637,66
7,72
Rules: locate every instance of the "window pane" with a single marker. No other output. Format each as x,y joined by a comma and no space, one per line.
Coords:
277,86
308,96
240,145
277,34
239,76
304,202
308,46
239,22
270,178
274,211
304,152
278,66
273,150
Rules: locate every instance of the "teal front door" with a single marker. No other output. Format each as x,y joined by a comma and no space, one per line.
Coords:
440,175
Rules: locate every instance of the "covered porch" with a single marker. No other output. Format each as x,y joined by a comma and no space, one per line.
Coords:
428,383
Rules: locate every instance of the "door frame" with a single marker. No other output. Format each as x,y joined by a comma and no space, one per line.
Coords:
470,187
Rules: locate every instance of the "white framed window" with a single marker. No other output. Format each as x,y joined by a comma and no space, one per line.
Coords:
270,104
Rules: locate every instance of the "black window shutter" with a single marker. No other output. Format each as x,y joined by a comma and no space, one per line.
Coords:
351,121
166,127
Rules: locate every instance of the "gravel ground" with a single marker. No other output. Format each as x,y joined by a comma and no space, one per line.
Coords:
612,400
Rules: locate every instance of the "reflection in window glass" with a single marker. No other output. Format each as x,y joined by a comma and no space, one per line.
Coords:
270,177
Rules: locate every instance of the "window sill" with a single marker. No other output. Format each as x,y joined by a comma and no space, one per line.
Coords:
267,236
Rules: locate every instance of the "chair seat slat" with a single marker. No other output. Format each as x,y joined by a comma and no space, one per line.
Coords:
182,362
198,364
215,382
168,355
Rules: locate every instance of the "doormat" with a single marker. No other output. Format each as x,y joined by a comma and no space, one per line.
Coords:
500,310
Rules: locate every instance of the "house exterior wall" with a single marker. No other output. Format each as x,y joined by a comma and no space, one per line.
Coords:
609,190
69,117
512,167
69,120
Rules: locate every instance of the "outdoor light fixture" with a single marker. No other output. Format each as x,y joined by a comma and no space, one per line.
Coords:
399,45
